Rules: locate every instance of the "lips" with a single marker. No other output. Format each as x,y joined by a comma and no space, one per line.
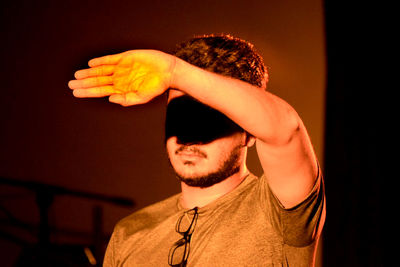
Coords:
190,152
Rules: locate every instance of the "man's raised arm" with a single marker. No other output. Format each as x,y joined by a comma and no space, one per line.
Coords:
283,145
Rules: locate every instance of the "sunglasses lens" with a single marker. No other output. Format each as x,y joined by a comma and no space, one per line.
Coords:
179,253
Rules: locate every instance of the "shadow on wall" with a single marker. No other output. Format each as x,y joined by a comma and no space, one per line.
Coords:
44,252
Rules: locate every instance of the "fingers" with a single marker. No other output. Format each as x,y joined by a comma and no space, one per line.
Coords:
106,60
95,71
100,91
90,82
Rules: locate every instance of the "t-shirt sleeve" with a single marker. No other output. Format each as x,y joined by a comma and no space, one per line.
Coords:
109,257
299,225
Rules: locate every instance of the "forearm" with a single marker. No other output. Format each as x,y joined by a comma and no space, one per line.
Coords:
262,114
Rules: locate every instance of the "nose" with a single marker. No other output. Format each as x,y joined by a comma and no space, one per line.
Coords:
188,143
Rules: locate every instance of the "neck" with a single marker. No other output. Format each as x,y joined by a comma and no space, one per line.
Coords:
200,197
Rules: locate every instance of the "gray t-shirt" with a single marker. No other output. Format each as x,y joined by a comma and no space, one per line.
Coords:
246,227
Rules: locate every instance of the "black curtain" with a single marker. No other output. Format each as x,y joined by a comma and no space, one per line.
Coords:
353,177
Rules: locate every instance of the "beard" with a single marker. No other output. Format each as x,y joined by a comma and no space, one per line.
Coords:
226,169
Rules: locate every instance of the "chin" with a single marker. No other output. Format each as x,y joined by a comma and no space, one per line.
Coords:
191,170
208,179
190,174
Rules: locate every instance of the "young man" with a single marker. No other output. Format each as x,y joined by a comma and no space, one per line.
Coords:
217,108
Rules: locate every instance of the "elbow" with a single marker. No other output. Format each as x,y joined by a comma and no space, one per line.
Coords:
293,128
287,129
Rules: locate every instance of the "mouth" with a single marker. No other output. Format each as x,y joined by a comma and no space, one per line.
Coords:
191,152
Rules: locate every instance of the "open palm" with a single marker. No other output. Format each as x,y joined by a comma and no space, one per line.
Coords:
129,78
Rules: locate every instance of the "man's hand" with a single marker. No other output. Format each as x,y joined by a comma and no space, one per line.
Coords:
129,78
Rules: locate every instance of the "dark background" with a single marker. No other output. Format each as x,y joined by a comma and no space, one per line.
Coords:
91,146
358,136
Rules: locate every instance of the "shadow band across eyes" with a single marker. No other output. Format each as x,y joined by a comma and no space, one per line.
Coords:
193,122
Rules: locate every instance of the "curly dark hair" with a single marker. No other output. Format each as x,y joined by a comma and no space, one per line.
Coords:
225,55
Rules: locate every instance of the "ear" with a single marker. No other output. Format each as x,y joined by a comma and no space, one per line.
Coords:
250,140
